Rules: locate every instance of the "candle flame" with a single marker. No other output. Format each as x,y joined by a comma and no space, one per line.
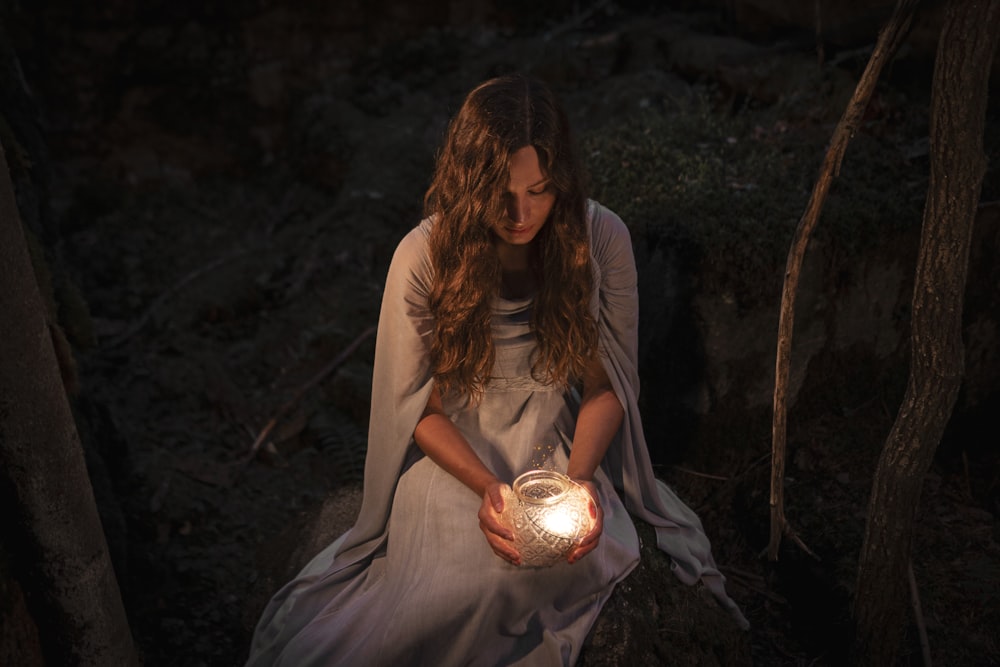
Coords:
558,520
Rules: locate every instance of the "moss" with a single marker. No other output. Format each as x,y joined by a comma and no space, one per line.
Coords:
652,618
729,188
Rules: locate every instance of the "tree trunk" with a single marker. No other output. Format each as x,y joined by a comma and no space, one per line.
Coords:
957,164
61,549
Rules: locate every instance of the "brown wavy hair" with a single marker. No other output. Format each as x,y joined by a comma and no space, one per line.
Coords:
497,118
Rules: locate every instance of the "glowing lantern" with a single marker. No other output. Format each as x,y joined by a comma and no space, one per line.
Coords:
549,514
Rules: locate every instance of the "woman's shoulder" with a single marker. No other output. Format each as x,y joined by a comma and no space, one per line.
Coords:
609,236
414,244
412,254
601,215
415,240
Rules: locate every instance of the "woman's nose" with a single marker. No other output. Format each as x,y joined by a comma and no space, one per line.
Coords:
517,209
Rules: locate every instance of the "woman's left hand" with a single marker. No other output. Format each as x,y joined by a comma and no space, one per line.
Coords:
589,543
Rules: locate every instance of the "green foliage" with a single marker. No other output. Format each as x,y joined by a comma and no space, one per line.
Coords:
727,189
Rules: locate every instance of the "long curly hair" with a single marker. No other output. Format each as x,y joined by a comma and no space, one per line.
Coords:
497,118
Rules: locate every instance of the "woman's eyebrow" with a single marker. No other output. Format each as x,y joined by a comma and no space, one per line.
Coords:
540,183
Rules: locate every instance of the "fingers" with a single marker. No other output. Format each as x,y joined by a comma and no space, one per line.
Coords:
593,538
587,544
499,536
490,519
491,524
495,494
502,547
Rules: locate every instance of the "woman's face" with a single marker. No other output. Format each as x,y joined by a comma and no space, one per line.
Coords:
528,200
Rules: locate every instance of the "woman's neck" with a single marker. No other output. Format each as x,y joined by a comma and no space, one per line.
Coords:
512,257
515,266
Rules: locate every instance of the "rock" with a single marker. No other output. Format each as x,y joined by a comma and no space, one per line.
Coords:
654,619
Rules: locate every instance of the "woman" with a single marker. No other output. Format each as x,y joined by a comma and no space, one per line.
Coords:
506,342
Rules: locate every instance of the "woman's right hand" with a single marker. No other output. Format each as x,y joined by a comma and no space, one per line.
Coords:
499,536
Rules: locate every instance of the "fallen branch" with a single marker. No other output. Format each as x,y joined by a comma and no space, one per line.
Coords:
888,42
754,583
794,537
138,324
695,473
576,20
742,574
336,363
732,482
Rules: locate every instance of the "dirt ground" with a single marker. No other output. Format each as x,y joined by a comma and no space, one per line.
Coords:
222,279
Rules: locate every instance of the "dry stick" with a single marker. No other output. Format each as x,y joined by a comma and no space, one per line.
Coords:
576,20
888,42
925,645
695,473
743,574
316,379
163,298
708,502
753,583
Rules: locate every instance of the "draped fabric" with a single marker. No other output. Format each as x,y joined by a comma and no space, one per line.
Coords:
414,580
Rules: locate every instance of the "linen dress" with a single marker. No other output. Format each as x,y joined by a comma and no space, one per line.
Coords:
414,582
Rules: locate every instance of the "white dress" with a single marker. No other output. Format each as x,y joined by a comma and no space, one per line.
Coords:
414,582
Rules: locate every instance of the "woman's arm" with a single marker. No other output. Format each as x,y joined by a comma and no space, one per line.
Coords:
439,438
598,421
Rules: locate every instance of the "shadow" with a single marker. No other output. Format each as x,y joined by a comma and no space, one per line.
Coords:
671,352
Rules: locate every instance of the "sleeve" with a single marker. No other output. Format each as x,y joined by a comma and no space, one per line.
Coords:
401,385
679,531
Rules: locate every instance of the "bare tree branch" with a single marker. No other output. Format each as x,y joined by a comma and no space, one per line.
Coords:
889,40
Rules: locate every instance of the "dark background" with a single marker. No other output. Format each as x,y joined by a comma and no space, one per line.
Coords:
220,186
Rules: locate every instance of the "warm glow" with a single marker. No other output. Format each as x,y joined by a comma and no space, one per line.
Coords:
558,520
569,517
549,514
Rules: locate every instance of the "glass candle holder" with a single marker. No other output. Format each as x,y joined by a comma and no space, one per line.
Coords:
549,514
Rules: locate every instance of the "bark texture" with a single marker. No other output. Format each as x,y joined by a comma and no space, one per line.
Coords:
958,108
61,548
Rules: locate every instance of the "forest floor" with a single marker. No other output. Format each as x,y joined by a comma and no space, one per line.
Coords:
220,287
